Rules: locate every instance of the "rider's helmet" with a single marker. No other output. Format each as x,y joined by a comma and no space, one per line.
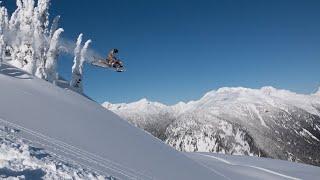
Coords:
115,51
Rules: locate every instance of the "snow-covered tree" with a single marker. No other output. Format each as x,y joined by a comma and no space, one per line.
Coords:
3,29
54,26
28,39
52,56
3,20
77,68
29,42
82,60
42,16
75,77
2,49
41,23
84,54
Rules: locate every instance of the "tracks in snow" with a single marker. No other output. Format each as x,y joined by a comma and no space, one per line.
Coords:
74,155
253,167
103,166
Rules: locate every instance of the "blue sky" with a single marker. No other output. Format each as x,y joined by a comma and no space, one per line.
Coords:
177,50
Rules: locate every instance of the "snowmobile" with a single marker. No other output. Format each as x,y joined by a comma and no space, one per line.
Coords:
116,65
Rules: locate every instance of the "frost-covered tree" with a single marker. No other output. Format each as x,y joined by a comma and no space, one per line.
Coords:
82,61
2,49
3,20
54,26
41,23
75,77
28,41
52,56
77,68
3,29
23,44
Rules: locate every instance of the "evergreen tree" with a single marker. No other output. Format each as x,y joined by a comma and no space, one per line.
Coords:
29,41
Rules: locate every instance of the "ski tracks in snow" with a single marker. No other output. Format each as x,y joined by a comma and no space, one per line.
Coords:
103,166
250,166
66,151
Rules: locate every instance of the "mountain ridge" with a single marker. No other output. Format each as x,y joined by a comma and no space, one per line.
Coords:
267,90
235,120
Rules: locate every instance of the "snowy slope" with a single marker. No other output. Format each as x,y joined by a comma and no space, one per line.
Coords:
51,133
81,132
236,121
249,168
19,159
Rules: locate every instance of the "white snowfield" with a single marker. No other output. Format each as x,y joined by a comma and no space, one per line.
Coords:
81,131
244,167
90,142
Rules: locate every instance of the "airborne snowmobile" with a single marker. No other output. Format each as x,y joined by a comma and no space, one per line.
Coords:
110,62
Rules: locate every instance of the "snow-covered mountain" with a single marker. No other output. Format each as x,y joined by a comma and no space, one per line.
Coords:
259,122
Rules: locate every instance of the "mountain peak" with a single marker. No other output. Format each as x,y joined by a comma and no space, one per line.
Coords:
268,89
143,100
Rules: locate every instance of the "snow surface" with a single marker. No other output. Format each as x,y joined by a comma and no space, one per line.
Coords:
47,132
20,160
242,167
81,131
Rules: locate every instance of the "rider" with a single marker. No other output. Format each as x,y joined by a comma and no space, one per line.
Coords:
112,57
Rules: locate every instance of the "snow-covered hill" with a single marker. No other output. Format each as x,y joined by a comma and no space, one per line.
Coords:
258,122
79,132
47,132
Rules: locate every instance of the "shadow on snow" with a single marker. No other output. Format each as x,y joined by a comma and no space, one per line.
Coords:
14,72
28,173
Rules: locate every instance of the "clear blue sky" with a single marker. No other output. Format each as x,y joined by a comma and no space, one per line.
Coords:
176,50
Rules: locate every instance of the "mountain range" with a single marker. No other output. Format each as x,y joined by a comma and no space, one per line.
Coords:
266,122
